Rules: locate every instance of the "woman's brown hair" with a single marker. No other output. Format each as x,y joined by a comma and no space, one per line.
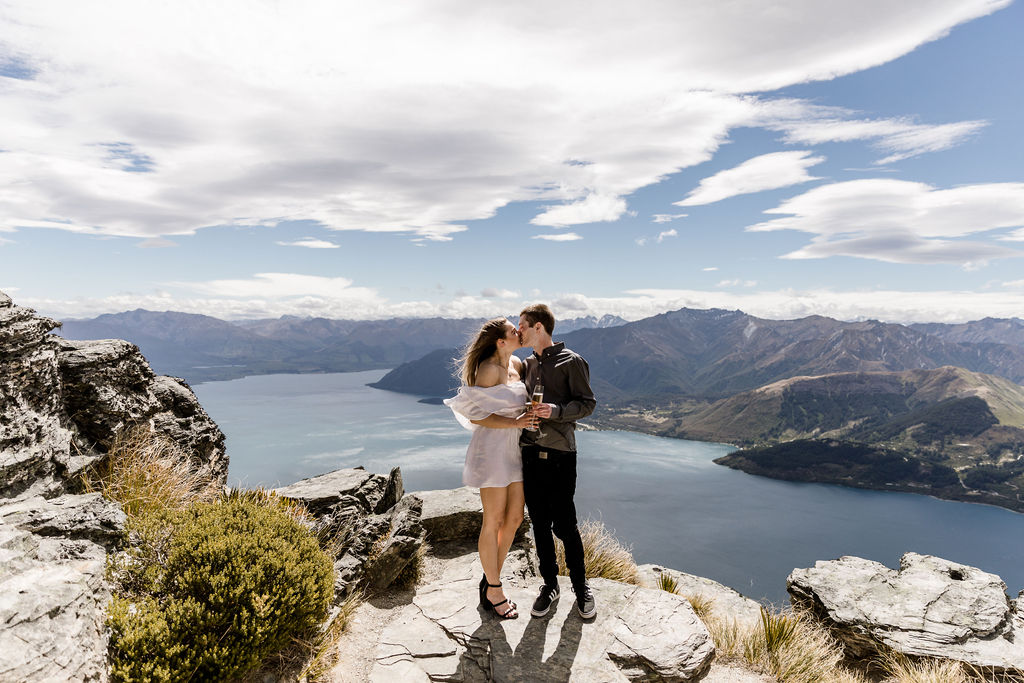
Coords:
483,346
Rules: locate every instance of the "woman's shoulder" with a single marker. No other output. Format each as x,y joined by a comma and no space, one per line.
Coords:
488,375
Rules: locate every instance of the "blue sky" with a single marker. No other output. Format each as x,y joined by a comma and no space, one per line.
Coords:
253,159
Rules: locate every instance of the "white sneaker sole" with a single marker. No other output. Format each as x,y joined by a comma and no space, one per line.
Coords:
586,615
544,613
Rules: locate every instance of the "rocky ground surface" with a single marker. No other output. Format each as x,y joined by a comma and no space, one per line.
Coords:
438,631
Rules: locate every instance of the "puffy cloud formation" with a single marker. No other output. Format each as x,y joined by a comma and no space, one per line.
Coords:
765,172
903,222
153,118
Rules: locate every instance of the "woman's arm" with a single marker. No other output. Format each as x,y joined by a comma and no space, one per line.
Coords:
495,421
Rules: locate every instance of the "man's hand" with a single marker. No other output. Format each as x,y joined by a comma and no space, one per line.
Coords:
543,410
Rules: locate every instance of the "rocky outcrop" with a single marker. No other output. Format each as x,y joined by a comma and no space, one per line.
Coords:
929,607
377,529
109,386
52,587
62,405
725,602
638,635
456,515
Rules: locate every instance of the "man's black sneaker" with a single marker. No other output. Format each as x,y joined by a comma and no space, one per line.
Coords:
542,605
585,603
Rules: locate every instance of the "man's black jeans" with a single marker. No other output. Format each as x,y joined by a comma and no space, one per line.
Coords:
549,484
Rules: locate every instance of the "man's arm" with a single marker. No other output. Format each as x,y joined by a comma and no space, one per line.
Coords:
581,397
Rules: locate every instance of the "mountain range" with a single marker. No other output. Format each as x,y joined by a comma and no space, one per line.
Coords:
201,348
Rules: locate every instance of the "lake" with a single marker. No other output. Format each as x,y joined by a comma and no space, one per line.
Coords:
664,497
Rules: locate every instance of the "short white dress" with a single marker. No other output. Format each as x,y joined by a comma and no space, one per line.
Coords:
493,458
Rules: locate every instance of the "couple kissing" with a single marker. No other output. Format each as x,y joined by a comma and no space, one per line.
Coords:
520,457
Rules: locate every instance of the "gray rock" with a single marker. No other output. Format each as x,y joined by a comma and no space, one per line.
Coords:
88,517
339,489
456,515
638,635
404,539
33,433
930,607
52,600
725,601
108,386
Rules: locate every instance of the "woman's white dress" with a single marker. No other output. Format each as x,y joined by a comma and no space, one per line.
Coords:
493,458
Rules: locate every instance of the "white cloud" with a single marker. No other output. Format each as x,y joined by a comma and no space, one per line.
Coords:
156,243
282,285
559,237
902,222
594,208
494,293
1014,284
898,138
710,269
642,241
737,283
667,233
400,117
765,172
310,243
344,301
4,240
667,217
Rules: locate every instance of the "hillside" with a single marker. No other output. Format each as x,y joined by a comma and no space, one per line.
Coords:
986,330
908,431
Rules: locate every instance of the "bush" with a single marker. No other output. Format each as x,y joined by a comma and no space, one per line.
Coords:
221,587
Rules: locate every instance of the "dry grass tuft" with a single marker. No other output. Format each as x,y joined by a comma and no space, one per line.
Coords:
701,604
603,555
788,647
266,498
667,583
147,473
899,668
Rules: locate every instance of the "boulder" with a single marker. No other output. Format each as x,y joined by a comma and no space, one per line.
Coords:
89,516
725,601
394,552
456,515
376,530
639,634
346,488
52,599
929,607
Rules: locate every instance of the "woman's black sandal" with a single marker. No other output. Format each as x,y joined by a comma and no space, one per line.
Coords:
510,613
483,591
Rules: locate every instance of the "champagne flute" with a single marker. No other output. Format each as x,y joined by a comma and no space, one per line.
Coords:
535,400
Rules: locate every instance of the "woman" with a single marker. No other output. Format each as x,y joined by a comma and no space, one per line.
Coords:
491,403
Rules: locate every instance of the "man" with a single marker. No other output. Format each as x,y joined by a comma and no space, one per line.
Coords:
549,455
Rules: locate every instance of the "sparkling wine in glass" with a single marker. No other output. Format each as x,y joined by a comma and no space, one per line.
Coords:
535,400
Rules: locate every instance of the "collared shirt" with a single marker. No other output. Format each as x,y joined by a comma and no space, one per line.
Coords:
566,380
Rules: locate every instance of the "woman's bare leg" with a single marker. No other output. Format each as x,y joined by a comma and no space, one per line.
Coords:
512,518
494,501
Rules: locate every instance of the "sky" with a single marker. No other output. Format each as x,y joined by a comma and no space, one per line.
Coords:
249,159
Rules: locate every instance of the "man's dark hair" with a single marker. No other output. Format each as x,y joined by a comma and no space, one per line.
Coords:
539,313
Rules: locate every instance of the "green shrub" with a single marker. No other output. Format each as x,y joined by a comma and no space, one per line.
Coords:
230,584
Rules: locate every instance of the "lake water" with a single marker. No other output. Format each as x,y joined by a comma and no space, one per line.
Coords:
664,497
